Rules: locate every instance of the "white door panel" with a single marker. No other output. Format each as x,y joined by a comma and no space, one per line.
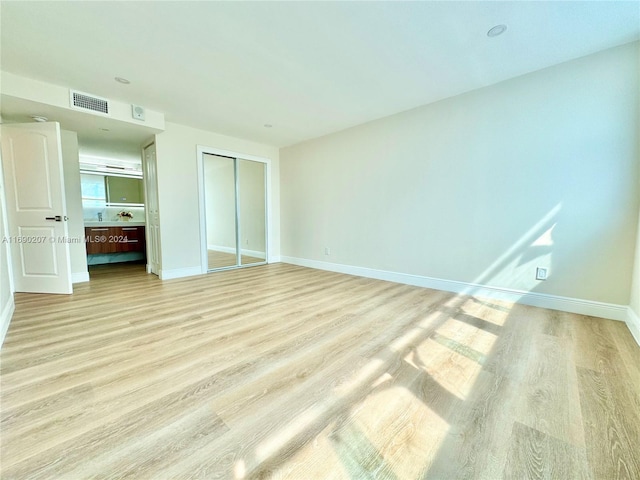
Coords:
151,207
31,150
32,163
38,259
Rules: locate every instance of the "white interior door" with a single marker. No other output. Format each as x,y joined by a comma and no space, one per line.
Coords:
36,210
151,207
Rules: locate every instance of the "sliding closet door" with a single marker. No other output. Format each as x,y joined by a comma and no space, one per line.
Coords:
252,211
235,211
220,211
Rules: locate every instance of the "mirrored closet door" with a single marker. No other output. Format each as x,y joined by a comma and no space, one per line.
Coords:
252,211
235,212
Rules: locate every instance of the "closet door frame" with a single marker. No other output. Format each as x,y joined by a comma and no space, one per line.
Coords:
203,150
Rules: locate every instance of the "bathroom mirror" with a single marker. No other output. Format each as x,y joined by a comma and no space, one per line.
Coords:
101,190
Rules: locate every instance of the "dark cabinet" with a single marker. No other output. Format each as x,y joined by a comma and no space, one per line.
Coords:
114,239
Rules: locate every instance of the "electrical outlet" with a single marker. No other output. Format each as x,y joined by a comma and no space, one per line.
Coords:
541,273
327,251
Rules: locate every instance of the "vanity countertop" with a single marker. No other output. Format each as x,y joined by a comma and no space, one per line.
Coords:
113,224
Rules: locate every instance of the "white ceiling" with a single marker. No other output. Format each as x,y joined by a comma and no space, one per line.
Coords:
308,68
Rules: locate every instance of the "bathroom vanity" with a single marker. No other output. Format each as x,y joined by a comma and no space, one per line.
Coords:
114,237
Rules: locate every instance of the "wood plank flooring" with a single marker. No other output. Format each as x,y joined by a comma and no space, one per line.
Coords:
284,372
219,259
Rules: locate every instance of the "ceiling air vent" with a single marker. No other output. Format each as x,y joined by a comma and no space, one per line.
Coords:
89,103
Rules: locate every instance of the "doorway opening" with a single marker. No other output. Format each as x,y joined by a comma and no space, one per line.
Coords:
104,221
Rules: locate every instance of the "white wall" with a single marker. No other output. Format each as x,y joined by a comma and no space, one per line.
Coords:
73,198
251,197
178,193
540,170
635,285
220,201
634,302
6,289
633,318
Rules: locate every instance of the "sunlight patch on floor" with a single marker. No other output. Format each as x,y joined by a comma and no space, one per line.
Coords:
473,337
386,377
419,389
303,422
352,448
239,470
434,358
416,425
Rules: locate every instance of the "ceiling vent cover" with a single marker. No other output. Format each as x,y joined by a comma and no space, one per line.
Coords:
89,103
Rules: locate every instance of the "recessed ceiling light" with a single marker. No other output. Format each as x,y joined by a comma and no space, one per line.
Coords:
122,80
39,118
497,30
267,125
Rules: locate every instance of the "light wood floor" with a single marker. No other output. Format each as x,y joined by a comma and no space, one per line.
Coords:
218,259
282,372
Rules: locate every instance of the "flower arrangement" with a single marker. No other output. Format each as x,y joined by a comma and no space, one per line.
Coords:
125,214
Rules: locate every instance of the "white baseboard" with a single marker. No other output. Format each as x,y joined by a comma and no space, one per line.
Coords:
179,273
243,251
633,322
275,259
5,318
252,253
79,277
219,248
149,270
574,305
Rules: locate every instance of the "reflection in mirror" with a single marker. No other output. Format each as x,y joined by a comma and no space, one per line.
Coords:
252,211
124,190
99,190
94,190
220,209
